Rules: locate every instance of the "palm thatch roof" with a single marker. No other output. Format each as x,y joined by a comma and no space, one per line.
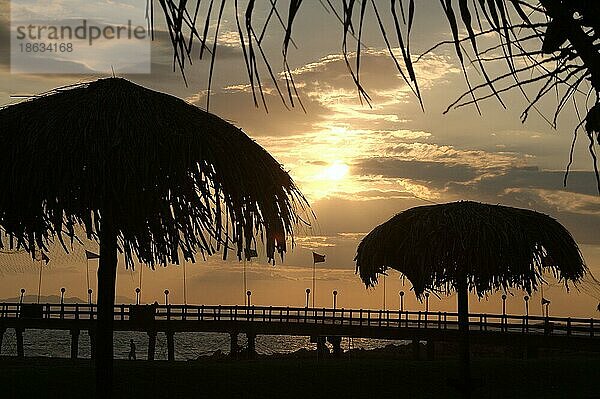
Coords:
497,247
174,177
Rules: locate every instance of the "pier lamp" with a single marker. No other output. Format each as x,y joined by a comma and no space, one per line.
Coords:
307,296
503,304
249,294
334,298
62,295
90,296
137,296
167,297
22,294
402,301
426,302
526,298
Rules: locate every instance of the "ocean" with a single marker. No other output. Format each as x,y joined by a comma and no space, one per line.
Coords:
188,345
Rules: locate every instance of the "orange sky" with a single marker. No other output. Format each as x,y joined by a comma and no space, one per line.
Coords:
357,165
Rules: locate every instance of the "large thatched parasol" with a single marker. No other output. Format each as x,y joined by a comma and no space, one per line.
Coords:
143,172
466,246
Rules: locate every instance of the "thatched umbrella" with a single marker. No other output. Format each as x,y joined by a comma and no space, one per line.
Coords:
469,246
143,172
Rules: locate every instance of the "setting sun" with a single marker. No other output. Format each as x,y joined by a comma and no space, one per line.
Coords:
336,171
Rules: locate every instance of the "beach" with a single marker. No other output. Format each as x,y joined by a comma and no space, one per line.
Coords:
374,374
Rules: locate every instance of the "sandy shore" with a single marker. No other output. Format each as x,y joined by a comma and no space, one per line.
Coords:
305,377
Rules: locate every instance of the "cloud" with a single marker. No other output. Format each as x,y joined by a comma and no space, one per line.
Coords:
577,206
426,171
370,195
327,93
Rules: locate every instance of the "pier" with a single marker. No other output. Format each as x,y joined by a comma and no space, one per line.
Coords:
321,324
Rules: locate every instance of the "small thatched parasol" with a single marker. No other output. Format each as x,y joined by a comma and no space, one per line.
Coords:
466,246
145,173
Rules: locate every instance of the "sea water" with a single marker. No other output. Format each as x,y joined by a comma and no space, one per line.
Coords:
188,345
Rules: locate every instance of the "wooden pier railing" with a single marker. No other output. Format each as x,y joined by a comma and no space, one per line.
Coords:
388,319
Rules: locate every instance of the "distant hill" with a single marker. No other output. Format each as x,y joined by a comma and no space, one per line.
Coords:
56,299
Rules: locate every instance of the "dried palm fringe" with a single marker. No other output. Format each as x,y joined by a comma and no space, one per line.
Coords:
497,247
174,177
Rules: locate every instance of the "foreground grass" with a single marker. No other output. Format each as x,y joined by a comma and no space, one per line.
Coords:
572,377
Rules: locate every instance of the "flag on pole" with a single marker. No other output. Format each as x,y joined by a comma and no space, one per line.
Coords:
545,301
317,258
90,255
41,257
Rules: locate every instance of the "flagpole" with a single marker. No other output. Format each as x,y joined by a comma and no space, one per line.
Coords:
184,284
542,300
313,283
40,283
87,272
245,284
140,285
384,292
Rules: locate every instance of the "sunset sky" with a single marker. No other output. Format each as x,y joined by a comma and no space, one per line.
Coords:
357,165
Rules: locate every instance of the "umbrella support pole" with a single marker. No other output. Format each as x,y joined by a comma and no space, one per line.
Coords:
171,346
151,344
20,346
107,272
462,290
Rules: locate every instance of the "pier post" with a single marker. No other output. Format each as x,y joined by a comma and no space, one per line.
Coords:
2,331
416,349
74,343
233,345
321,347
20,350
170,346
430,350
92,335
151,344
251,345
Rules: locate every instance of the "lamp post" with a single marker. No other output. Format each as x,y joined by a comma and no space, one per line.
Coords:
426,302
307,296
167,297
137,296
526,298
249,294
384,292
402,301
90,296
504,321
334,299
62,302
21,300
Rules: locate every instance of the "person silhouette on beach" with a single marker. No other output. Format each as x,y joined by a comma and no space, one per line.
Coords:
131,350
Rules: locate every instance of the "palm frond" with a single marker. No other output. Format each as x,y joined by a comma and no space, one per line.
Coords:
523,31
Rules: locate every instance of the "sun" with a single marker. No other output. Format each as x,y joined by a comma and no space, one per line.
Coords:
336,171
